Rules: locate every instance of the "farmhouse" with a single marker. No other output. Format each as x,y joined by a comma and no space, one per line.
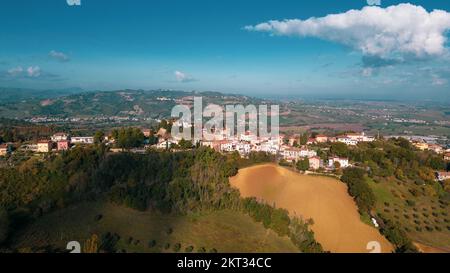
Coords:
165,144
82,140
314,162
44,146
347,140
343,162
441,176
292,154
321,138
421,145
447,156
59,137
63,145
435,148
5,149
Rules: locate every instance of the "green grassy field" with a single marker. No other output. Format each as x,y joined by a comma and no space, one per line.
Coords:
417,209
225,231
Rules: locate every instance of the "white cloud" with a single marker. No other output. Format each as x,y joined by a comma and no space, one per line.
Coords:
33,71
15,71
59,56
437,80
403,30
367,71
183,77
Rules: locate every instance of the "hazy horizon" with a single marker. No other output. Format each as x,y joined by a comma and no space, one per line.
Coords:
395,51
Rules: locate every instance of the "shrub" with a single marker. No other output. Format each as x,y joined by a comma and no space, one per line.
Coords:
397,237
4,226
359,189
169,231
177,247
201,250
152,243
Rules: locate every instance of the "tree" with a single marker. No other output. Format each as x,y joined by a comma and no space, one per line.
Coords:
185,144
129,138
304,138
303,164
337,165
359,189
4,225
99,137
339,149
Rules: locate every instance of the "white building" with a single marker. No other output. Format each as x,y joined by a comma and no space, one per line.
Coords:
291,154
249,137
82,140
166,144
44,146
5,149
294,154
59,137
343,162
266,147
243,148
347,141
307,153
441,176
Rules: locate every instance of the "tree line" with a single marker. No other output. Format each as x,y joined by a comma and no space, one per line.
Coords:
183,182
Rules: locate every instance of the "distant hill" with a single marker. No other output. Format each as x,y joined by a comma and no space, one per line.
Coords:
9,95
141,103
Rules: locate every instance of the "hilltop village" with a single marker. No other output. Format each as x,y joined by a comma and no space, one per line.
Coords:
304,151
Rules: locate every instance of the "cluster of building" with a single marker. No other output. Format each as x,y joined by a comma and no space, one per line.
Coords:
422,145
281,147
58,142
350,139
285,148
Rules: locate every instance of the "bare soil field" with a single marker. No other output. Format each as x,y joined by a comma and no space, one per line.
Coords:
337,224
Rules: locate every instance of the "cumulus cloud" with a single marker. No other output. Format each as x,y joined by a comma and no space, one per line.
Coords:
59,56
28,73
400,31
183,77
15,71
33,71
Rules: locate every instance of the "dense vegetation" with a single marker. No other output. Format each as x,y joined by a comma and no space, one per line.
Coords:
19,131
358,188
180,183
394,160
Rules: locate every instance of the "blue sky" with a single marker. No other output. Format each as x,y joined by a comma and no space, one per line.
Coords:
226,46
